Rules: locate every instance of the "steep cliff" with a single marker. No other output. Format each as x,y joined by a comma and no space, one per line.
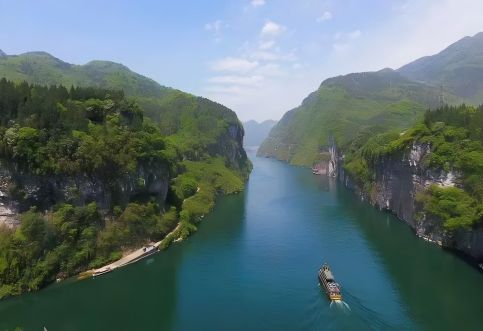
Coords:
428,176
398,181
19,191
85,176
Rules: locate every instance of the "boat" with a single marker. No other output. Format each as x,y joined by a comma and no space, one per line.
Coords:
331,287
148,250
100,272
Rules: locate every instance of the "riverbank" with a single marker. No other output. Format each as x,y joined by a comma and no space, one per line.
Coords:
130,256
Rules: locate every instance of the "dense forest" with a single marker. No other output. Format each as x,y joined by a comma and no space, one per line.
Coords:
455,138
57,132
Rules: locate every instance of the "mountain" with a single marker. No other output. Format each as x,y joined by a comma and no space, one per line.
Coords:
97,159
2,53
342,107
45,69
256,132
397,140
178,114
167,106
458,69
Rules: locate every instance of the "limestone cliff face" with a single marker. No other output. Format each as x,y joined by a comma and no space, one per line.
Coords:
230,146
397,181
19,191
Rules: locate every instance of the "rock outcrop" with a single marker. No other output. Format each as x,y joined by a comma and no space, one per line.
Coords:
20,191
398,179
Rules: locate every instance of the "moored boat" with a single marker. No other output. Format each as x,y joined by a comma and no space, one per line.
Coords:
101,271
331,287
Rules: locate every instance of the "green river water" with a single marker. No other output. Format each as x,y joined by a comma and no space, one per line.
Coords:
253,266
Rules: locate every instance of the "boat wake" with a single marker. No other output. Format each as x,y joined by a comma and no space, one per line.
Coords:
340,304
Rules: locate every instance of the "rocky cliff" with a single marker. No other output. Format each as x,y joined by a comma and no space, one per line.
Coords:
20,191
397,181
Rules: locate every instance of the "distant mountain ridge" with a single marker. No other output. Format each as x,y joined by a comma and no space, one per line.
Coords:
175,111
344,106
256,132
45,69
458,69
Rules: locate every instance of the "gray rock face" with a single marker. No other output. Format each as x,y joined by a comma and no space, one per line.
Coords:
398,179
230,147
20,191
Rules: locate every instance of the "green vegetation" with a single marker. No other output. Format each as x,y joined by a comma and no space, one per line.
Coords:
55,132
72,239
459,68
193,123
455,136
344,107
455,207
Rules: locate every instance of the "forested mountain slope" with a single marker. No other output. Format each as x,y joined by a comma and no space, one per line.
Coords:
104,163
344,106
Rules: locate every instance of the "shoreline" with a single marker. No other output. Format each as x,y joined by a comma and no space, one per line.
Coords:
130,256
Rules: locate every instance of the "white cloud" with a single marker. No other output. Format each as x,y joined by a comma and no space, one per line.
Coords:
326,16
258,3
224,89
345,36
343,41
272,29
354,34
264,45
214,26
341,47
270,70
264,55
236,80
234,65
422,28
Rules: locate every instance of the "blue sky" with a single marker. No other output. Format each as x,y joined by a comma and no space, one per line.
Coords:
258,57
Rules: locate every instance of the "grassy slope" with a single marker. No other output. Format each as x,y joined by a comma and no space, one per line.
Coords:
342,107
459,68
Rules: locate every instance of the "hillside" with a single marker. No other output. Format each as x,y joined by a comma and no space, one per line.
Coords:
342,107
256,132
430,176
196,125
174,110
103,164
458,69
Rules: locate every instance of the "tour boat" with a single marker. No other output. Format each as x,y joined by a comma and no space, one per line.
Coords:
330,286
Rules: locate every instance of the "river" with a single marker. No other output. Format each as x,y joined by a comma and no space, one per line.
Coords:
253,266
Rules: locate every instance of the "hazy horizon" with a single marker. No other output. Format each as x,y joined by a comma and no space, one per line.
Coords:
257,57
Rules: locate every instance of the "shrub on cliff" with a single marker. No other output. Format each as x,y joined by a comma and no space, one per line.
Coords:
452,205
